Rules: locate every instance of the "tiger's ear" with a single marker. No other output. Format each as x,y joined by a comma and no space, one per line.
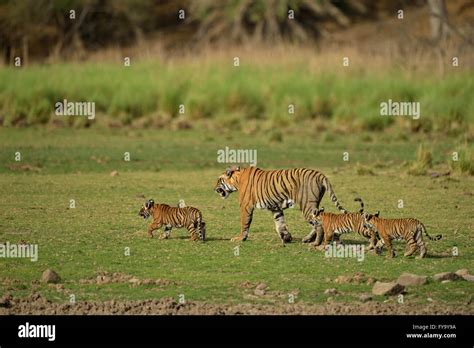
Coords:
150,203
377,213
229,171
367,216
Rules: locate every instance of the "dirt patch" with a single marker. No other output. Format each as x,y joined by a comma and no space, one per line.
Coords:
36,304
24,167
117,277
357,278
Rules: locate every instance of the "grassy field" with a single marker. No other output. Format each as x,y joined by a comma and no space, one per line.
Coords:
62,164
261,87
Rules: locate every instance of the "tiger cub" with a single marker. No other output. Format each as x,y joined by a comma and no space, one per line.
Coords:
332,226
411,230
169,217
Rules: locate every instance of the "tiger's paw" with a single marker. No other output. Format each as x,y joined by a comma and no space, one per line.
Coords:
236,239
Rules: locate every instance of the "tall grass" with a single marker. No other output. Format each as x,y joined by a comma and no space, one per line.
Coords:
210,87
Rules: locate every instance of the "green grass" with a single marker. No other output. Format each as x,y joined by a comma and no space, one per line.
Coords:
62,164
219,91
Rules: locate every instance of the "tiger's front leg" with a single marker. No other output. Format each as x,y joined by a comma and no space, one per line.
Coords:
373,241
166,233
328,236
246,215
388,243
153,226
280,226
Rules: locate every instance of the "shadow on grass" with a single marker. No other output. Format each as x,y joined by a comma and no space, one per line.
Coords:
208,239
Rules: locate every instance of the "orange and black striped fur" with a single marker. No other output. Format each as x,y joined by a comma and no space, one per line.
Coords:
332,225
410,230
274,190
169,217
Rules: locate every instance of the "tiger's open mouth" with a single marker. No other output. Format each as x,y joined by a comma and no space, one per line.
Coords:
144,213
223,193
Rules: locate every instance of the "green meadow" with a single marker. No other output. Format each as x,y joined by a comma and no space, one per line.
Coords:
59,164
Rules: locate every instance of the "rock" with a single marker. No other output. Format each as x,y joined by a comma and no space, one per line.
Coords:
50,276
114,173
343,279
260,289
462,272
365,298
445,281
468,277
134,281
370,281
409,279
429,299
387,289
5,301
445,276
358,278
331,292
103,279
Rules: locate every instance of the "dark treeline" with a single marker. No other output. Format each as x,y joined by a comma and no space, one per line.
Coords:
38,29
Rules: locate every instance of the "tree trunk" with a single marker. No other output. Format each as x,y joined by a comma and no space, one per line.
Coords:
438,19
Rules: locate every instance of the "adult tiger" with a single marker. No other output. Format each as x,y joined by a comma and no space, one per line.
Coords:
408,229
275,190
332,226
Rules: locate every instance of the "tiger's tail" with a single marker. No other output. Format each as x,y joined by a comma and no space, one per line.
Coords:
358,199
423,229
332,195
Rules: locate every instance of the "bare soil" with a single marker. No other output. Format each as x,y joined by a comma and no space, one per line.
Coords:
38,305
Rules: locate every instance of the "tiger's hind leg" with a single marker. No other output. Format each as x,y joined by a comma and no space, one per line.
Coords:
421,245
193,232
411,247
320,236
202,229
316,235
280,226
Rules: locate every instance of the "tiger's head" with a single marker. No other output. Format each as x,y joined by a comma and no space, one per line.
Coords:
228,182
369,220
147,209
316,216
